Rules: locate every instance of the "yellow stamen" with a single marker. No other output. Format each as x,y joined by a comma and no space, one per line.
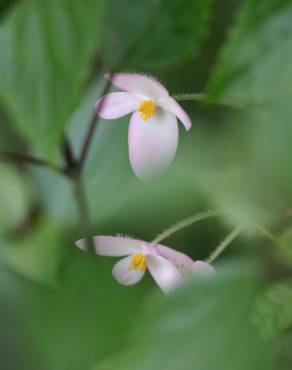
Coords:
138,262
147,108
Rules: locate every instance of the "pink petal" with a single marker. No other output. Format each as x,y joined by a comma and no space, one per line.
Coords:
152,143
125,276
114,246
173,107
177,258
166,275
115,105
203,268
139,84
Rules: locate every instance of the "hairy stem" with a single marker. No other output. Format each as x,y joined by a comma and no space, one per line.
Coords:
224,244
184,223
267,233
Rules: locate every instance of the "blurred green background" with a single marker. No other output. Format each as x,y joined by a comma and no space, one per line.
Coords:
60,308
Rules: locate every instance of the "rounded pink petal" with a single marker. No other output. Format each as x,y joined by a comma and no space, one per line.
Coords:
124,275
115,105
152,143
166,275
114,246
138,84
202,268
173,107
177,258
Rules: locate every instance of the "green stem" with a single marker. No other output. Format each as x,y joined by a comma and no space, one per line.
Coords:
265,232
184,223
83,210
225,242
246,108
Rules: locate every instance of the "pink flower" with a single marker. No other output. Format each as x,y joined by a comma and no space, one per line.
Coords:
185,263
153,129
202,268
164,264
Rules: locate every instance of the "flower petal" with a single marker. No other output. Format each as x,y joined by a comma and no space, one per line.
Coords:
152,143
166,275
202,268
138,84
173,107
177,258
115,105
114,246
124,275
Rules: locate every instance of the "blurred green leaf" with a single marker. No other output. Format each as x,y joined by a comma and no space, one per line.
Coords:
36,255
284,247
284,354
91,312
274,310
14,198
255,61
204,325
47,51
85,318
154,34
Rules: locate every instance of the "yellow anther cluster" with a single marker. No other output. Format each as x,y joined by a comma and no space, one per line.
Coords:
147,108
138,262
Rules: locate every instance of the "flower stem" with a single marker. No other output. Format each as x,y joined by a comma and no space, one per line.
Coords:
246,108
184,223
83,210
265,232
225,242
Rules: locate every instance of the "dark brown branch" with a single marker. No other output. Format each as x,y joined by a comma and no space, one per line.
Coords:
27,159
92,126
68,153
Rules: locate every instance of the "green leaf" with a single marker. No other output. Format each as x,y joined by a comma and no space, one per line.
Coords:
284,248
204,325
84,319
274,310
154,34
254,65
14,198
36,255
47,50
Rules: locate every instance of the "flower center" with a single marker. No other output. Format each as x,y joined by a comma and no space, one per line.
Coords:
138,262
147,108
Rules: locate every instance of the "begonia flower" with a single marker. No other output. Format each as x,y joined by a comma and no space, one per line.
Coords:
163,263
153,129
185,263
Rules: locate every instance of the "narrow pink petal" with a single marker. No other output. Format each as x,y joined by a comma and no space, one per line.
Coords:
114,246
173,107
152,143
177,258
124,275
139,84
115,105
202,268
166,275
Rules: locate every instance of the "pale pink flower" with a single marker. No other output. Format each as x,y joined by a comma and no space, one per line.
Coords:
153,129
185,263
164,264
